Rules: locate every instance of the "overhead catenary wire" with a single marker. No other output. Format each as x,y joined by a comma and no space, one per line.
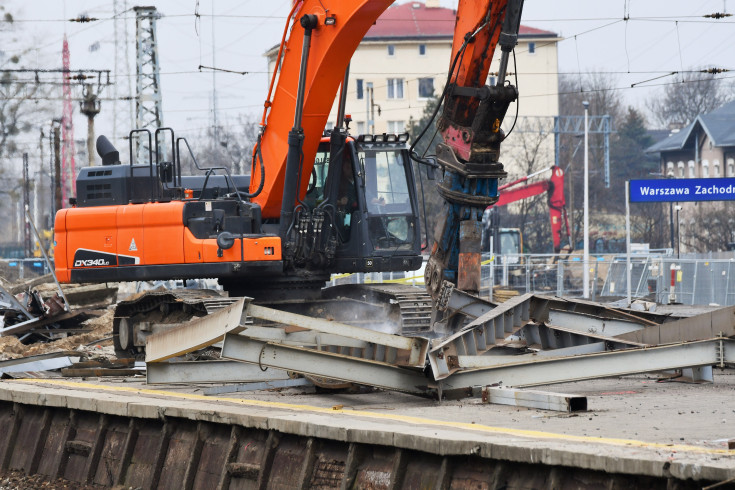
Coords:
710,17
410,102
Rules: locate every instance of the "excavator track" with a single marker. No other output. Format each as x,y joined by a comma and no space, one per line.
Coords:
152,311
415,306
400,309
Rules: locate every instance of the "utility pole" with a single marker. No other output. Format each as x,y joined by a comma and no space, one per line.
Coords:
90,107
57,169
68,167
368,97
372,109
214,88
586,220
39,196
27,245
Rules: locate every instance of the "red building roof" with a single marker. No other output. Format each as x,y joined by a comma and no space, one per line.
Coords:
413,20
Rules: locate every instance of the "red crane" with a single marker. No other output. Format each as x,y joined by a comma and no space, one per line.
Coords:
554,187
68,170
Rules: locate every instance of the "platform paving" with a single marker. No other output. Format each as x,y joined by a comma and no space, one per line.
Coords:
634,425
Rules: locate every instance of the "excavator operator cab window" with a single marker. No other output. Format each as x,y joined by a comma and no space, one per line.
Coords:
346,202
389,209
317,182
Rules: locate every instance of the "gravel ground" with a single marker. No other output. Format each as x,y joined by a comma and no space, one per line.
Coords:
17,480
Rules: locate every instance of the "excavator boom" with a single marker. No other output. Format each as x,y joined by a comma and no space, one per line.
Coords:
470,125
554,188
340,26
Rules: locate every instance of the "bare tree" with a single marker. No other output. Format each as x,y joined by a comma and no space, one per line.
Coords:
23,111
430,202
693,93
17,110
599,90
650,224
708,227
596,88
531,146
19,92
232,148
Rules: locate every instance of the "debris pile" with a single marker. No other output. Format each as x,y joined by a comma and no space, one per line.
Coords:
38,317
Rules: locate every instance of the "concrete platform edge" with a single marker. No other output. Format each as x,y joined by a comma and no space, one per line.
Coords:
442,441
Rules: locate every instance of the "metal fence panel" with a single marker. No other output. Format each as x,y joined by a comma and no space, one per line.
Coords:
697,281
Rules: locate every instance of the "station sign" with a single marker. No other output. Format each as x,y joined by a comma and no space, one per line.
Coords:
682,190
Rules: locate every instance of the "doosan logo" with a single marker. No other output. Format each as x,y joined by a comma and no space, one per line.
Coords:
90,262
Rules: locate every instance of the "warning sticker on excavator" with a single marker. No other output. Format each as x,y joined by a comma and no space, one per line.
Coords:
132,246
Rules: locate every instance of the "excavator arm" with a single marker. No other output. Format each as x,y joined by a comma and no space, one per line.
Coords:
312,71
554,189
314,60
470,125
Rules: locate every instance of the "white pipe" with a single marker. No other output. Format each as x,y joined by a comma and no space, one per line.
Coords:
586,261
627,239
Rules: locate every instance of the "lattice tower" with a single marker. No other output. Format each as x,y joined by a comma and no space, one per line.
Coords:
122,100
148,109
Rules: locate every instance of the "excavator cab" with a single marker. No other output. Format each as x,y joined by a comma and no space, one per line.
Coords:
370,184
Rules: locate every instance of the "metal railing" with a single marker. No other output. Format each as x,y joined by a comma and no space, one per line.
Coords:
686,281
695,281
659,277
14,270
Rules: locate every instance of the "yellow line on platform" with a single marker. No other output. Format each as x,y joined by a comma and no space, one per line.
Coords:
533,434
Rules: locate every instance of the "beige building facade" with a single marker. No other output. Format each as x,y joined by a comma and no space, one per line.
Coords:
392,79
403,62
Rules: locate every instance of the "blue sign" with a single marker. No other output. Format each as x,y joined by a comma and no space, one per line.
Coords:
681,190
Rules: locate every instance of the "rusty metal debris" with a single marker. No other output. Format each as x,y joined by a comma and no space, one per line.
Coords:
519,343
31,312
38,363
544,400
103,367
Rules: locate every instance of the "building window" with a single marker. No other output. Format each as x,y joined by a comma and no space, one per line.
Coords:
670,169
396,127
491,81
531,48
360,94
716,169
395,88
705,169
361,127
680,166
426,88
422,49
391,50
692,169
730,167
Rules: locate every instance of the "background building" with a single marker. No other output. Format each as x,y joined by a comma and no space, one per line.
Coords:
704,148
402,63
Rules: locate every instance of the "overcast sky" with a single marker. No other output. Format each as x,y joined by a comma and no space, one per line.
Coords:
662,36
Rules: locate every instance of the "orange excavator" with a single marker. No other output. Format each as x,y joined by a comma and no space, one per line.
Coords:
317,202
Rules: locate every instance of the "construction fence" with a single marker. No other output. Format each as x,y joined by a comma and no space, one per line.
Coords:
660,277
663,278
14,270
